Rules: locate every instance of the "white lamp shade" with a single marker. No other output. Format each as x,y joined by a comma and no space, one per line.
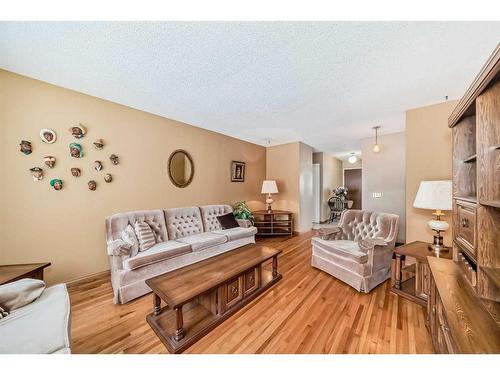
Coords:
269,187
434,195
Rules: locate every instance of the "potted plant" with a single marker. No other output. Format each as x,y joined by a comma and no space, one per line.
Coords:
241,211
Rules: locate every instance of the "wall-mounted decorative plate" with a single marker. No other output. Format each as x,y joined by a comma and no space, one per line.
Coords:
26,147
37,173
49,161
48,135
75,150
99,144
78,131
56,183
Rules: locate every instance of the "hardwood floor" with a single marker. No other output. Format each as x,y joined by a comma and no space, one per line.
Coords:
308,311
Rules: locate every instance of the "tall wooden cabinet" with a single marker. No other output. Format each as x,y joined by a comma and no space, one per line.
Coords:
473,278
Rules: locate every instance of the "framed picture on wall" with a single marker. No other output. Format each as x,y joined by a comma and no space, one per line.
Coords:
237,171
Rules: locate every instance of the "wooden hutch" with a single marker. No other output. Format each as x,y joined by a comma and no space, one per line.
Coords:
464,304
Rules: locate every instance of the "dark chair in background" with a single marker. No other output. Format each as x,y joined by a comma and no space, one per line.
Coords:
337,206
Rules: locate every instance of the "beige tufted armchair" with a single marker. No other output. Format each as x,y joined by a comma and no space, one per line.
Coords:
359,250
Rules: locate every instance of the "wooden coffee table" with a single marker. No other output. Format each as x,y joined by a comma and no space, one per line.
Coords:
201,296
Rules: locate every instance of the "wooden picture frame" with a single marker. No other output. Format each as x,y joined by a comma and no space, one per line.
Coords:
237,171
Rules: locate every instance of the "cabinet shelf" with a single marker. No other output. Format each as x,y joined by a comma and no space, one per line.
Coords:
469,198
494,203
470,159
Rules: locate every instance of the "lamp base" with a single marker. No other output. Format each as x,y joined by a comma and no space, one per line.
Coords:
269,202
437,246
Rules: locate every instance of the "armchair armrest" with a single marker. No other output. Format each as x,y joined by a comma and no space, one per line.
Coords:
327,233
244,223
118,248
370,243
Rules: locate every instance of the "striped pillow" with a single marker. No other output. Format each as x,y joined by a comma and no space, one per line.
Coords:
145,235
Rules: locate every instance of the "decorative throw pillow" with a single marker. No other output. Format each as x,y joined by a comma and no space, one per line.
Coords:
18,294
128,236
145,235
227,221
156,230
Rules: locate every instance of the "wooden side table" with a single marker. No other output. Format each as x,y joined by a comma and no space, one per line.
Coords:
14,272
275,223
412,281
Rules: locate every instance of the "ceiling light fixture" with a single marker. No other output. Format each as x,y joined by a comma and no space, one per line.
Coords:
352,159
376,146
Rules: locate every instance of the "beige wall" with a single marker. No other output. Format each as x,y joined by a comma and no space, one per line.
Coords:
291,166
428,157
66,227
282,165
384,173
305,188
331,177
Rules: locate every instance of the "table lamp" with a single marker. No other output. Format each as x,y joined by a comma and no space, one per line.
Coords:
269,187
435,195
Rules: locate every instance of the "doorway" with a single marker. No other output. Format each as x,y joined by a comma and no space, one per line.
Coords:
352,181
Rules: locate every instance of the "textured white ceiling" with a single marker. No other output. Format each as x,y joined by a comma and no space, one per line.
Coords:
323,83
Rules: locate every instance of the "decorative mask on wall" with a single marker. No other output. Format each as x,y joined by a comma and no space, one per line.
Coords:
75,150
26,148
114,159
56,183
78,131
37,173
108,178
97,165
99,144
92,185
48,135
76,172
49,161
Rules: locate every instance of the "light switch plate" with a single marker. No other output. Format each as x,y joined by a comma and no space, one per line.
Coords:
377,195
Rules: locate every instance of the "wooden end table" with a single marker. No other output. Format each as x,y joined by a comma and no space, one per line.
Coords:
274,223
201,296
416,285
14,272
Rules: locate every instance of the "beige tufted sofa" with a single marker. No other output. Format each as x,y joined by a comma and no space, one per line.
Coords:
187,235
359,250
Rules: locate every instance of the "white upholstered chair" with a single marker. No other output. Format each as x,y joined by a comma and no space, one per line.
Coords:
359,250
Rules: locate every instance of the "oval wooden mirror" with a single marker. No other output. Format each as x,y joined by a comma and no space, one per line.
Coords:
180,168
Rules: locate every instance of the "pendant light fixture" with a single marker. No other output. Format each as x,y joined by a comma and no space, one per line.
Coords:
352,159
376,146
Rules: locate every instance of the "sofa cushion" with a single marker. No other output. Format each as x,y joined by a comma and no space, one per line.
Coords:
209,214
343,248
182,222
157,253
204,240
236,233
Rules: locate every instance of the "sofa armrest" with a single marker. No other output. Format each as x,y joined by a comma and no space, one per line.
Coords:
244,223
118,248
330,233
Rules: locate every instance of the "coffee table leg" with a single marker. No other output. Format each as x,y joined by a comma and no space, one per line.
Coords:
275,266
156,305
179,332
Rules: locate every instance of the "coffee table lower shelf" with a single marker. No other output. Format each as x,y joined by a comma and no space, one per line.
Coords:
198,317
